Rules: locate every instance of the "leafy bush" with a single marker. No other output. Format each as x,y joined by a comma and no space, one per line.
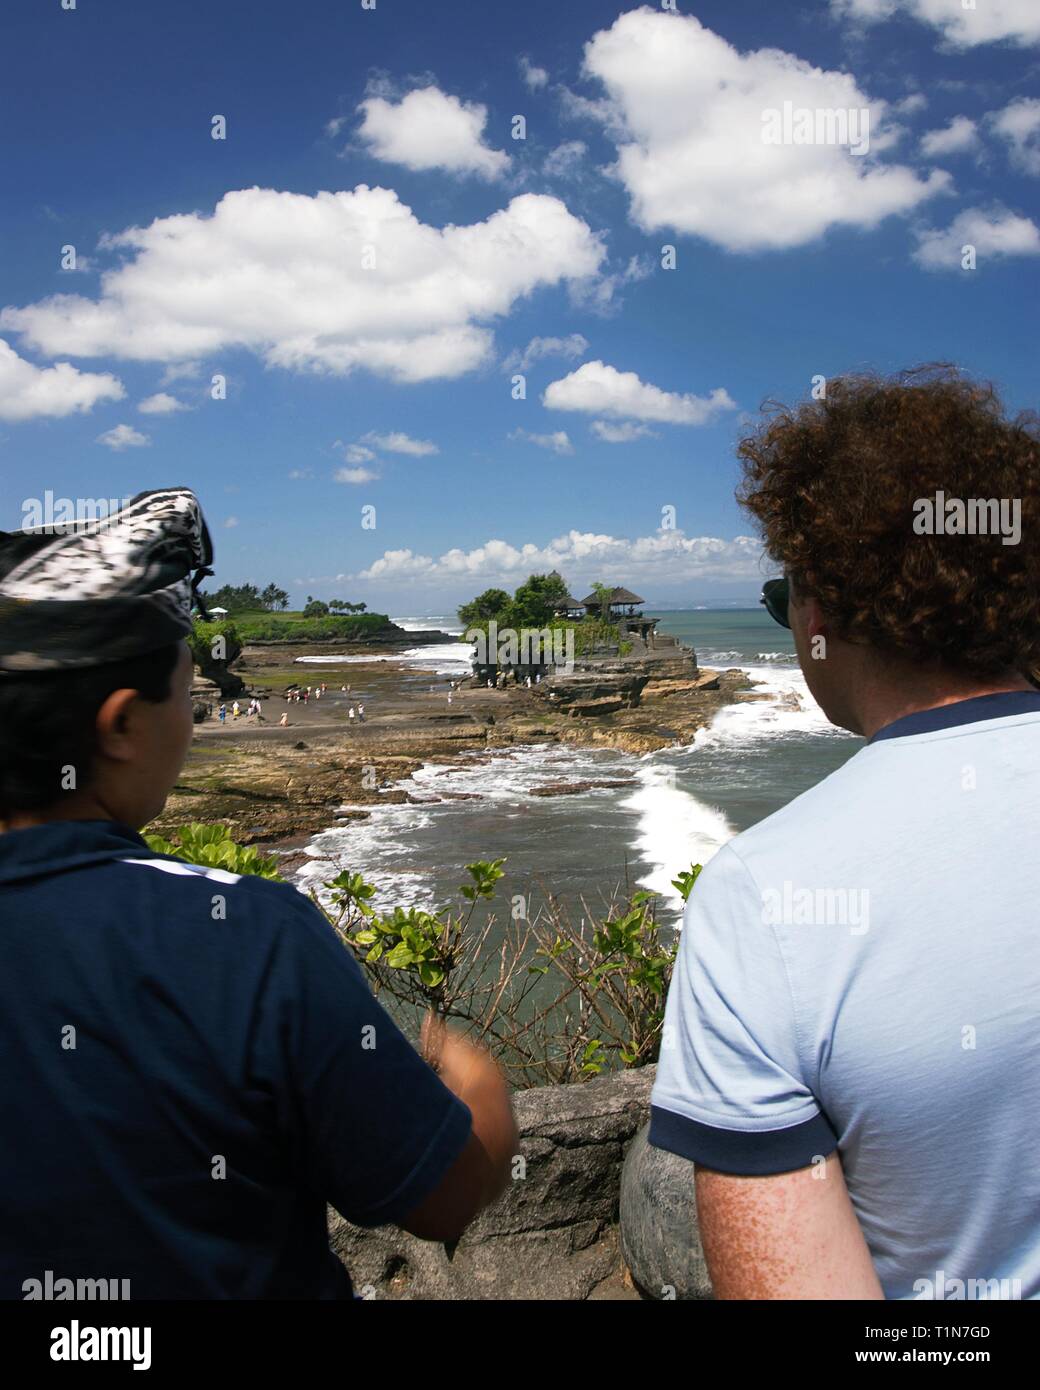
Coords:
330,628
555,1002
213,847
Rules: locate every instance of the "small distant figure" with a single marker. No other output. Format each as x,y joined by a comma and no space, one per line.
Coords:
528,682
317,693
236,710
343,688
361,714
284,721
222,713
350,713
490,685
324,687
307,696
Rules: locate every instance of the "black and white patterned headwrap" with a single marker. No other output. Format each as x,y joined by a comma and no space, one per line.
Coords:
102,590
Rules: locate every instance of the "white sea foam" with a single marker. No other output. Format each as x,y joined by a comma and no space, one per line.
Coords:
383,847
675,829
446,624
787,709
441,658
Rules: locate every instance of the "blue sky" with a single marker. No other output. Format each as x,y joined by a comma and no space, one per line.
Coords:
369,353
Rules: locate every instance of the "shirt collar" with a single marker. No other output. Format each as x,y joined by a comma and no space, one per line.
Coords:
979,707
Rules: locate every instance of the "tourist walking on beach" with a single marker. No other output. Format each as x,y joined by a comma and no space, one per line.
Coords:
350,714
222,713
236,710
361,714
850,1055
284,721
149,1050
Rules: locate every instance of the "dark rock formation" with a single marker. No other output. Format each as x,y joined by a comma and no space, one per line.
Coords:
584,693
552,1234
660,1241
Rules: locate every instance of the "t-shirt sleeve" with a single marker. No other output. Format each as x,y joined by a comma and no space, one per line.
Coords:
729,1091
372,1127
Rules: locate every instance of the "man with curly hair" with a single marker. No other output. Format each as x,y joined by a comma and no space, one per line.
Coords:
850,1054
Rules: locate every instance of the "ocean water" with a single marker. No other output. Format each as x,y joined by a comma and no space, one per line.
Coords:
674,807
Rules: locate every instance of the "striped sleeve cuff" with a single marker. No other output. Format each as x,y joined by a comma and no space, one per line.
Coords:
745,1153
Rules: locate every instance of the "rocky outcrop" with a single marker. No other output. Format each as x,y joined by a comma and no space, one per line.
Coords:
660,1240
584,694
552,1235
228,682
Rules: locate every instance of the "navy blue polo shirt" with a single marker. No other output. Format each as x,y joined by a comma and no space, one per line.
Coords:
193,1067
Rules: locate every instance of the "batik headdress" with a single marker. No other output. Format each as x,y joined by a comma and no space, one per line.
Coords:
102,590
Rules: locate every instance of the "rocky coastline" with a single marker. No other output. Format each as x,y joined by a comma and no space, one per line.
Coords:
279,786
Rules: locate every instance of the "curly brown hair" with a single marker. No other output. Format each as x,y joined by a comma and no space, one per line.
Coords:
833,483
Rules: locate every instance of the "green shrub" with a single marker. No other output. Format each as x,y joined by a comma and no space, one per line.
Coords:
213,847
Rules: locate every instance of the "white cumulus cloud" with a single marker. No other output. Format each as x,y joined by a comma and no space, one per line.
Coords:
585,557
534,76
574,345
988,21
961,136
333,282
354,475
559,441
396,442
430,129
121,437
689,113
565,160
28,391
162,403
995,233
600,389
624,433
1019,125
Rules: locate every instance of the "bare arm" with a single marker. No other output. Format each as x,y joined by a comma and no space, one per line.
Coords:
789,1236
481,1171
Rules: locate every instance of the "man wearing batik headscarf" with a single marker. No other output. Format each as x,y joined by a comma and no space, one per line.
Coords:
193,1064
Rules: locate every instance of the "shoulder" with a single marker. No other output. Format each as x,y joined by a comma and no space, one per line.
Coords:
833,811
259,903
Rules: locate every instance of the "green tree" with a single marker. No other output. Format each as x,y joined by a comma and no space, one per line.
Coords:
490,604
536,601
273,597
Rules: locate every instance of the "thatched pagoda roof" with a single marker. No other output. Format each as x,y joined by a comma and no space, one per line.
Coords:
616,596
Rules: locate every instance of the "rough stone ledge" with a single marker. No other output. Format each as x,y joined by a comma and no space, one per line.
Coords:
552,1234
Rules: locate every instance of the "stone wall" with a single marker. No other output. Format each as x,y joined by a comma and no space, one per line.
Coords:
552,1235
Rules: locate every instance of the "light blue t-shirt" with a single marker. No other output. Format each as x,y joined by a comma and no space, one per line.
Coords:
862,971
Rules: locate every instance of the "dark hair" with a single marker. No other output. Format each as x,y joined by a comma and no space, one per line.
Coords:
834,485
47,722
